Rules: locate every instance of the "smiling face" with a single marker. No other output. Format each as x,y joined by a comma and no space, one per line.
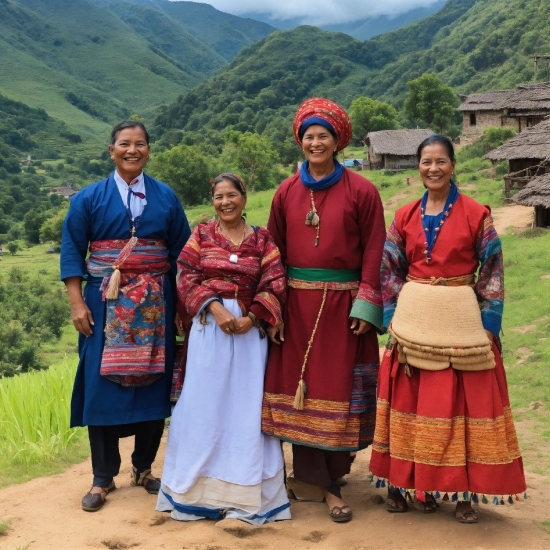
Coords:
318,145
130,152
435,167
229,202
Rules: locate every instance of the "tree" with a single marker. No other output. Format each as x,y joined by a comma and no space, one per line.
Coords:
51,228
430,103
187,170
253,157
32,222
370,115
13,247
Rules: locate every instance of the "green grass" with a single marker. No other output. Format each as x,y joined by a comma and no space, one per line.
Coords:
4,526
34,425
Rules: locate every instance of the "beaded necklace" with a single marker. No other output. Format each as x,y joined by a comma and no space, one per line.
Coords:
431,233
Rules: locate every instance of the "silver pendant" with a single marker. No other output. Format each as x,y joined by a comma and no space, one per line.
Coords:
233,258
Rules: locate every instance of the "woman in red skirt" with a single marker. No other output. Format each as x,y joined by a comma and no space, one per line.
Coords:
444,424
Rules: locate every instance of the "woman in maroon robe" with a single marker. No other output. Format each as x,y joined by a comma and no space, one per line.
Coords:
321,380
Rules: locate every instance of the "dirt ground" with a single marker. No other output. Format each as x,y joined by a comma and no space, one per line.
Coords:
516,216
45,513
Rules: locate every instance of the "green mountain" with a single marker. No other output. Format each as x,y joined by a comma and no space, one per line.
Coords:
92,62
226,34
472,45
362,29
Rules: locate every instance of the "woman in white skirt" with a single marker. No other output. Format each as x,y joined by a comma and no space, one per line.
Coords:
232,284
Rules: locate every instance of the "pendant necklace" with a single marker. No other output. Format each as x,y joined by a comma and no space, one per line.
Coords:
312,218
233,258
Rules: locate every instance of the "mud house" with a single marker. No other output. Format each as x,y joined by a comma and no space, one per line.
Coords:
521,108
527,155
537,194
394,149
66,191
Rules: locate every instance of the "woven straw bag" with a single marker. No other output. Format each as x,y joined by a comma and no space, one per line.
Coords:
440,326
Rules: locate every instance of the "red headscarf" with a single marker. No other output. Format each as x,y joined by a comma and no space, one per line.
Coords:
330,112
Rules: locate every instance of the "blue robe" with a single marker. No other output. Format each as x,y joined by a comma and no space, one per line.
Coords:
98,213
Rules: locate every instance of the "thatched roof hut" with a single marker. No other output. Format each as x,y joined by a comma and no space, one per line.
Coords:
537,193
521,108
394,149
533,143
527,154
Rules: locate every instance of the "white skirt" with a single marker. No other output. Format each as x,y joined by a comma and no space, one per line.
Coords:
218,463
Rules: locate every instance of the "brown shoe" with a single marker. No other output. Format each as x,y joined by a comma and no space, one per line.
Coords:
146,479
92,502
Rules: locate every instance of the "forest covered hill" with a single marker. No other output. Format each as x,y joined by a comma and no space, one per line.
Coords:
92,62
472,45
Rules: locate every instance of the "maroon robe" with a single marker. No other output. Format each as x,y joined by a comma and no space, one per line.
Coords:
341,370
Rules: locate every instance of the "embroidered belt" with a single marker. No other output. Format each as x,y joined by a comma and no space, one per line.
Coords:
321,279
135,343
463,280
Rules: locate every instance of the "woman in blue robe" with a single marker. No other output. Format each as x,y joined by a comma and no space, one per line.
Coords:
114,210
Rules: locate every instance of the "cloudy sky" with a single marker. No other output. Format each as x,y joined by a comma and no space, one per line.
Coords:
319,12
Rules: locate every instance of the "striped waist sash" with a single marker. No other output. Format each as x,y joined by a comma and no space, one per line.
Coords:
135,344
319,279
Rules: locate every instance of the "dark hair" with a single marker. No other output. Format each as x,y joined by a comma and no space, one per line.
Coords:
237,182
128,124
436,138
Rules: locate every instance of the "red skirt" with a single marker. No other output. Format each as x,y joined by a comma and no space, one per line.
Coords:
447,431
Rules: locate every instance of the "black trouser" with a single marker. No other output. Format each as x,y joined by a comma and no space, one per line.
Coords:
105,453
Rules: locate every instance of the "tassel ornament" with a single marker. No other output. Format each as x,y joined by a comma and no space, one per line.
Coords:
300,395
114,284
299,398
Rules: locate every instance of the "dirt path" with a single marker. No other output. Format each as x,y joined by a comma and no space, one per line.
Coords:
516,216
45,514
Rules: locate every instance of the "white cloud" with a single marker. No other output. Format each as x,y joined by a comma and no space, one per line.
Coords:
319,12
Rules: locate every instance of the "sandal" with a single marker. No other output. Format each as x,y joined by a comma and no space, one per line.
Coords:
146,480
338,515
465,516
92,502
399,505
428,507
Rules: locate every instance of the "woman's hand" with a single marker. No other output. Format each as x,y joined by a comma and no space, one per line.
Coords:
223,317
80,312
244,324
273,330
490,335
82,318
358,326
179,325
